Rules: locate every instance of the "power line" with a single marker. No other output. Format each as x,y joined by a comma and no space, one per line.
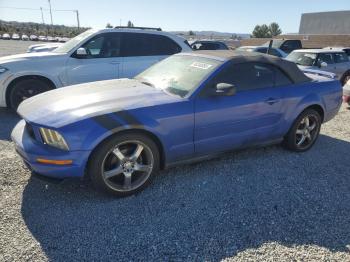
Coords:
44,9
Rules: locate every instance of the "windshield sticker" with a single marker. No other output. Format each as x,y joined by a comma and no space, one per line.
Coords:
199,65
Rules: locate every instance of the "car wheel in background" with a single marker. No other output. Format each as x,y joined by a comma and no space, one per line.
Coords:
124,164
304,131
26,88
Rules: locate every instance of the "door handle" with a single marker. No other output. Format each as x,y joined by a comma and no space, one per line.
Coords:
271,101
114,63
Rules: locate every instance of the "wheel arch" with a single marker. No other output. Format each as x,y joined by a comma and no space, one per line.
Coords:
147,133
346,73
319,109
24,77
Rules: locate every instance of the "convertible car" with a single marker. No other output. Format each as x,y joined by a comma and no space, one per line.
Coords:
188,107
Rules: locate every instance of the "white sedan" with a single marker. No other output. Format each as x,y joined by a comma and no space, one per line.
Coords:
263,49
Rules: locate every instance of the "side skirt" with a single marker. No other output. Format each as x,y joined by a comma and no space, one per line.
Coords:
201,158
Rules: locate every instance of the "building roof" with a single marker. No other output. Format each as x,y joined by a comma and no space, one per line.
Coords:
237,57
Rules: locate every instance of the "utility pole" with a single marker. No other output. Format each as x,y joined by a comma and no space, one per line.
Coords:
42,15
50,12
77,12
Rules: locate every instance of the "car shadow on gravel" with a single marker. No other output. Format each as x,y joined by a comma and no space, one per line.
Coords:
8,120
206,211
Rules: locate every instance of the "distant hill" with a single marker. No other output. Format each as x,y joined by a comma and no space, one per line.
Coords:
39,29
213,34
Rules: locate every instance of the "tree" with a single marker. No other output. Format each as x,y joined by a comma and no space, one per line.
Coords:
191,33
264,31
275,29
130,24
261,31
109,25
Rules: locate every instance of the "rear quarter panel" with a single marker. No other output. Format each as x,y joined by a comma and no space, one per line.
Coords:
296,98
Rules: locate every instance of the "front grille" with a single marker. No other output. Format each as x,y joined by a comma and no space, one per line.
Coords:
30,131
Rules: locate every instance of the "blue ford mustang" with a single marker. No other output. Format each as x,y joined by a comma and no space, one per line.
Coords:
187,107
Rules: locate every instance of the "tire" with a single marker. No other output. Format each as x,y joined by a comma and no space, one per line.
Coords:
119,166
27,88
303,134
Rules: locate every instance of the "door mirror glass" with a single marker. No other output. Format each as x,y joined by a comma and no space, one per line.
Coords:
81,52
225,89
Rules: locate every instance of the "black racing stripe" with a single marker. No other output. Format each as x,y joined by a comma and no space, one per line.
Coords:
129,118
107,122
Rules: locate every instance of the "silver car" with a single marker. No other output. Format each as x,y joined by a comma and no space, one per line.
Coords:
334,61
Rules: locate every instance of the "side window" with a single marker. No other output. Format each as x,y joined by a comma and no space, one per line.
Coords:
281,79
103,46
139,44
340,58
94,46
324,57
247,76
164,45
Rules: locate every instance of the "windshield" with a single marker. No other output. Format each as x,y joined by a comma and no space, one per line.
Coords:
66,47
301,58
180,74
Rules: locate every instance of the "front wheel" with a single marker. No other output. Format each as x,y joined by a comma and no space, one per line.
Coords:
25,89
124,164
304,131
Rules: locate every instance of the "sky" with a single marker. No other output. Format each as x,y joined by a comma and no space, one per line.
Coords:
217,15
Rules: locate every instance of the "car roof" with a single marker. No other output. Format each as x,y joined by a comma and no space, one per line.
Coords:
290,68
318,51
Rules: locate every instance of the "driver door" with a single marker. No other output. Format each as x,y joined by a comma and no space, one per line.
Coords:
102,61
252,115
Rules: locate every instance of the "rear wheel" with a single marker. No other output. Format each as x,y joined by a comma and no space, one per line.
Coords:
27,88
124,165
304,131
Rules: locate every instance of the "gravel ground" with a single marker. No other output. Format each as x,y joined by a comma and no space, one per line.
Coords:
263,204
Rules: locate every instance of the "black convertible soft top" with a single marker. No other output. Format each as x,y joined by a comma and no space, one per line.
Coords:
237,57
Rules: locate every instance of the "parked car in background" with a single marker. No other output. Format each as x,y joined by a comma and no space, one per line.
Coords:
333,61
346,92
64,39
25,37
15,37
344,49
263,49
187,107
42,38
91,56
209,45
6,36
33,38
286,45
51,39
43,47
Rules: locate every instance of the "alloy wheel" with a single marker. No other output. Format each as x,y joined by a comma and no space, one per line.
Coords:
127,166
307,131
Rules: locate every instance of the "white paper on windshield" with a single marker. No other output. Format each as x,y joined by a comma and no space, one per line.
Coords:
200,65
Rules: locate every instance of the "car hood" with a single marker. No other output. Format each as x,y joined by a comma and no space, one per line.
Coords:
70,104
28,56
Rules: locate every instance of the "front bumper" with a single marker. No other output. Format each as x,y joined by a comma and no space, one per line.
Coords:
30,150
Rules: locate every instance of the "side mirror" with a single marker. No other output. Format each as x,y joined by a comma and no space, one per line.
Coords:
323,64
224,89
81,52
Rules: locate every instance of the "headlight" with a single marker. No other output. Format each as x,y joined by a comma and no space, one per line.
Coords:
53,138
3,69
